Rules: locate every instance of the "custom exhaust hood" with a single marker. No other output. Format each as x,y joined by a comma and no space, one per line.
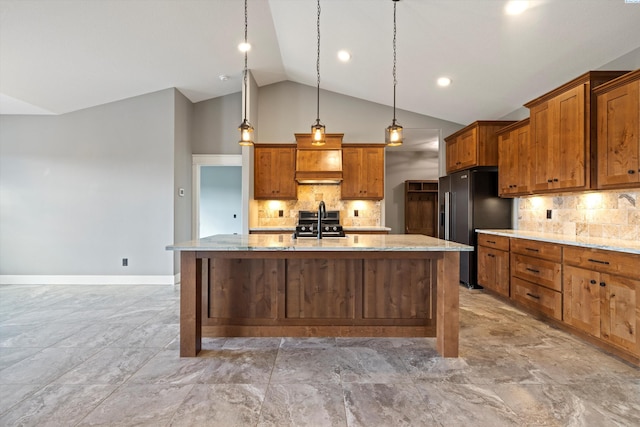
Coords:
319,165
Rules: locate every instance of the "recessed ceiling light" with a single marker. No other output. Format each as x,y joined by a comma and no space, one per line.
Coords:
516,7
223,77
344,56
444,81
244,47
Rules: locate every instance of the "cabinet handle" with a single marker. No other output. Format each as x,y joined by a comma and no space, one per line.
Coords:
533,270
603,284
533,296
555,179
491,241
593,282
533,249
549,180
491,255
631,171
598,261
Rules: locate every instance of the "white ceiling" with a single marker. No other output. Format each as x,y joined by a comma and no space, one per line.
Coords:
65,55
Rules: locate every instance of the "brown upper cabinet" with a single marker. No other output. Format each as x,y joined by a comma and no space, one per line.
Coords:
561,130
274,170
474,145
514,162
619,132
362,172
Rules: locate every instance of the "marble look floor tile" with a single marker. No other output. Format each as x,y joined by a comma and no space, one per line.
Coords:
238,366
11,394
148,335
466,405
618,401
308,365
367,365
305,343
13,355
56,405
299,405
44,366
96,335
228,405
39,317
37,336
428,365
167,367
385,405
251,343
137,315
386,343
502,365
109,366
138,405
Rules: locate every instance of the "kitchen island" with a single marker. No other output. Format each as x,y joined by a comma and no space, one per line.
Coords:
359,285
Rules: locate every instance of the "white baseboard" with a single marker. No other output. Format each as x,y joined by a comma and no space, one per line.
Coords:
9,279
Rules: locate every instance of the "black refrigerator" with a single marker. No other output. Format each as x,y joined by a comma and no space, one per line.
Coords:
468,200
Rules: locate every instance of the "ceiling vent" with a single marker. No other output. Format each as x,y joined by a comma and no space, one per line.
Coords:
319,164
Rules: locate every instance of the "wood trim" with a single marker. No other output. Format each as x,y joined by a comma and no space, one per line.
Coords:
516,125
618,82
478,123
318,331
448,304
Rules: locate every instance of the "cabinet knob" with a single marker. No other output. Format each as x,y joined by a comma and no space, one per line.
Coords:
549,180
555,179
593,282
631,171
603,284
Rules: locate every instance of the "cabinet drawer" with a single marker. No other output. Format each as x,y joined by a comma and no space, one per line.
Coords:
550,251
619,263
541,272
537,298
491,241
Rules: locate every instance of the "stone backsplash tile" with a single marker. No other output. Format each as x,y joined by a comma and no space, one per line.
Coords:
369,212
611,214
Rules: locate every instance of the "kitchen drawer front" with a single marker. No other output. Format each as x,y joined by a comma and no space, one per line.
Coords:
539,271
549,251
491,241
623,264
537,298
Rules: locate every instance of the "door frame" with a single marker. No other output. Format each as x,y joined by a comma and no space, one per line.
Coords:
200,160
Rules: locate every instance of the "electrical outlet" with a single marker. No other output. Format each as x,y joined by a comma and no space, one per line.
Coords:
549,211
281,213
125,262
355,212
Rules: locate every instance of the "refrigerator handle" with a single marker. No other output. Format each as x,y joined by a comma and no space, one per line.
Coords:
447,215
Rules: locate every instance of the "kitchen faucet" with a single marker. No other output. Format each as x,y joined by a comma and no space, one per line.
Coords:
322,213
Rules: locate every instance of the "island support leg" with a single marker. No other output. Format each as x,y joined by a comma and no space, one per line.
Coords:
448,304
190,305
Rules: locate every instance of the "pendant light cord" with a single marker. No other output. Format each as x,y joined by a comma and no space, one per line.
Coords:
395,81
245,61
318,66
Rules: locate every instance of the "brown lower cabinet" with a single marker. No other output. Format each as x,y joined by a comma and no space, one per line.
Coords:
493,263
594,293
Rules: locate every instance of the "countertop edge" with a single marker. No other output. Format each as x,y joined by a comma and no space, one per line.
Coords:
583,242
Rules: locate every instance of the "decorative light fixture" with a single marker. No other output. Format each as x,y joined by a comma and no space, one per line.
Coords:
318,129
246,130
393,134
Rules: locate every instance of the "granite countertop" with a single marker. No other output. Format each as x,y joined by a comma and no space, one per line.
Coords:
353,229
628,246
283,242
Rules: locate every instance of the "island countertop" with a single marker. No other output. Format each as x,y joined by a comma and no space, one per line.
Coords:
353,242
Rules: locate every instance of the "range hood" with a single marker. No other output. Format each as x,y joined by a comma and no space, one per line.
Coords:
319,165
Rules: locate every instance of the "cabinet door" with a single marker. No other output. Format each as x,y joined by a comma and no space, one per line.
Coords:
582,299
569,151
520,154
373,172
350,186
619,136
452,154
274,171
506,164
493,270
263,173
541,143
620,308
285,169
468,149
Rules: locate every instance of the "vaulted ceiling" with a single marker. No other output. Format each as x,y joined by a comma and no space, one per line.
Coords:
65,55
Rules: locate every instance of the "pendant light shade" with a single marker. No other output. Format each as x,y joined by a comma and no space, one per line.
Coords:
318,129
246,130
393,134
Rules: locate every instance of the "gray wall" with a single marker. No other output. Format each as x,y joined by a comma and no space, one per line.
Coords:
215,125
183,138
81,191
286,108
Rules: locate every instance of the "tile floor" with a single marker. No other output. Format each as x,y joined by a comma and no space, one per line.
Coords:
108,355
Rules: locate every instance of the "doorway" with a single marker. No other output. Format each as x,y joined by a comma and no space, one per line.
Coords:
217,195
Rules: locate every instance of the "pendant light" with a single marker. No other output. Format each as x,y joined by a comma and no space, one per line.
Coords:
393,134
246,130
317,129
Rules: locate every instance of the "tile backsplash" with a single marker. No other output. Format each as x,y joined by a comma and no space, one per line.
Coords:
369,212
610,214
